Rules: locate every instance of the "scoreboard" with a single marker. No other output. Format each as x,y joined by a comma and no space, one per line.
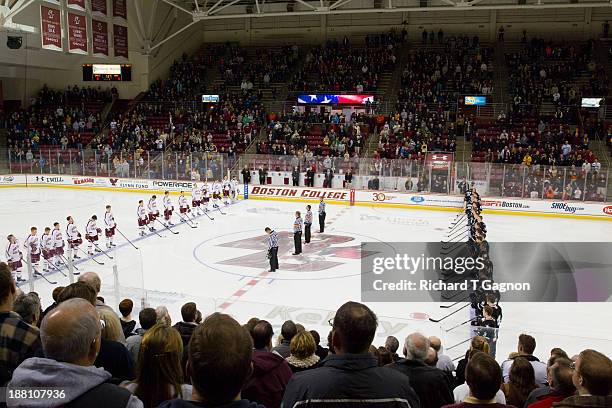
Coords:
107,72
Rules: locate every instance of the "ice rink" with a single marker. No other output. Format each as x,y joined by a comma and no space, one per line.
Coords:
222,265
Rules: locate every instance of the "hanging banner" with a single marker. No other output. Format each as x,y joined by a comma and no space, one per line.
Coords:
120,9
77,34
120,41
50,28
76,4
98,8
99,38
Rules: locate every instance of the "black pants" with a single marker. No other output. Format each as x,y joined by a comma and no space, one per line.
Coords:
296,182
297,240
307,233
322,222
273,259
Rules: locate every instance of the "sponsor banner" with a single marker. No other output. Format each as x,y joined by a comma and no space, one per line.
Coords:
120,9
77,34
120,41
408,199
98,8
439,161
607,210
99,38
129,184
76,4
299,193
172,185
83,180
47,179
12,179
50,28
505,204
335,99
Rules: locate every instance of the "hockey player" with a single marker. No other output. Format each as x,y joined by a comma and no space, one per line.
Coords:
14,256
196,199
153,212
58,244
168,208
184,209
110,226
143,220
216,190
205,196
32,245
226,191
74,237
47,244
91,234
235,189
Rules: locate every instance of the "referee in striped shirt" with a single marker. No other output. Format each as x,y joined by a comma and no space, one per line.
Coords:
272,249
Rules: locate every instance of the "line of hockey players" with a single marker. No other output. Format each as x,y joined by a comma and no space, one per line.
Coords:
49,247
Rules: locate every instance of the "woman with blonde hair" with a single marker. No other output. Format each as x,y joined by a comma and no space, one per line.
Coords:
302,350
113,355
163,316
111,325
479,343
159,375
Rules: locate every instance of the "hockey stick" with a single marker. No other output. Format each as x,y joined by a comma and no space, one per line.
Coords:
56,268
65,262
187,221
91,257
101,250
454,304
448,315
219,209
167,227
126,238
461,324
209,217
458,344
36,273
156,233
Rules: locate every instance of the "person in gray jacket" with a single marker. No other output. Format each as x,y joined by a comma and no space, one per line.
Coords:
147,319
71,336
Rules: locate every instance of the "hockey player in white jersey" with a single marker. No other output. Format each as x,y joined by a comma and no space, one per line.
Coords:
14,256
196,199
91,234
73,236
109,226
153,212
168,208
47,245
143,220
226,186
58,244
184,209
235,192
216,190
32,245
205,191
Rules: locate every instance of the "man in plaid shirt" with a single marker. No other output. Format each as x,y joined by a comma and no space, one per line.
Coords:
18,340
272,249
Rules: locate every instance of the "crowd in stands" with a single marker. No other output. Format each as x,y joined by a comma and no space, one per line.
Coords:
340,66
98,358
185,80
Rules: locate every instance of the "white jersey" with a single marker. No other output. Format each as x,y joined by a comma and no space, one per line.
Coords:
72,232
182,200
217,188
234,185
58,239
226,186
109,220
46,242
196,194
33,243
141,212
205,190
167,203
152,206
91,230
13,254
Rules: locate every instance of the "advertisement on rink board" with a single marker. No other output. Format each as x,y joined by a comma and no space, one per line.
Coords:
299,193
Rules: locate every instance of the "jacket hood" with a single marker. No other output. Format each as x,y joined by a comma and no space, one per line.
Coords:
265,362
179,403
351,362
47,373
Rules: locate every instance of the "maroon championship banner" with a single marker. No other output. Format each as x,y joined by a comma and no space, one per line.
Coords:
76,4
120,41
50,28
98,8
77,34
120,9
99,38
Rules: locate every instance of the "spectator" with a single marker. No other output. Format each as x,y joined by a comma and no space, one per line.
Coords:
93,280
188,325
560,383
303,355
392,344
593,381
78,290
288,330
55,295
70,336
28,307
114,356
18,340
322,352
526,347
147,319
461,392
163,315
478,343
270,371
431,384
484,376
220,353
159,375
127,323
384,357
445,363
521,383
352,372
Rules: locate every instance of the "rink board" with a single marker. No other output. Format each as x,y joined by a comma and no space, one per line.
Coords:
433,202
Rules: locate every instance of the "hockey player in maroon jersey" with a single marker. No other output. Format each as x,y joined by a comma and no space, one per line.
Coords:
14,256
32,245
73,236
153,212
168,208
143,220
91,234
110,226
